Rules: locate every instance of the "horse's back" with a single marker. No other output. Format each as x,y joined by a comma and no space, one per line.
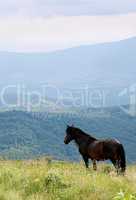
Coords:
110,141
103,149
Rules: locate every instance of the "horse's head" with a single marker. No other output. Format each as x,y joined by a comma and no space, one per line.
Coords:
69,134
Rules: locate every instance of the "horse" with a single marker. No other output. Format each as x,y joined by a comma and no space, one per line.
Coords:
96,149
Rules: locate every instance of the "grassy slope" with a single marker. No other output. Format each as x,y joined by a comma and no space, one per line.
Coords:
42,180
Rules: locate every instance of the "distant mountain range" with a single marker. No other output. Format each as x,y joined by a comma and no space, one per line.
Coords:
111,64
29,135
110,67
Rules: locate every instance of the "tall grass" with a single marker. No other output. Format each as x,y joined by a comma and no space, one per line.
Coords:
44,180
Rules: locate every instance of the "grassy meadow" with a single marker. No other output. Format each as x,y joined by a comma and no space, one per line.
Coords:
44,179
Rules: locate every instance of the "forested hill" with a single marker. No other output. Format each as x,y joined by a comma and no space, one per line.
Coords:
27,135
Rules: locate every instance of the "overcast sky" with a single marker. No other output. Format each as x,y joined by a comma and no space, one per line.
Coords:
49,25
65,7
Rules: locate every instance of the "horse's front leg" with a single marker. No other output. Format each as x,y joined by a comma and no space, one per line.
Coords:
86,160
94,165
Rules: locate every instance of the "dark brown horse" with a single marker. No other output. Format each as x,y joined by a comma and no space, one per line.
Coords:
97,150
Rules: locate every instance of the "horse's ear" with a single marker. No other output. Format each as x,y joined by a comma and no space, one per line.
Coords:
70,126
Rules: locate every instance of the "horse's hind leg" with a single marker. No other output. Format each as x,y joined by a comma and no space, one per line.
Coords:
94,165
116,164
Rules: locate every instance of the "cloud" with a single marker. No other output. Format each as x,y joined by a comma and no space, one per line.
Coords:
43,8
55,33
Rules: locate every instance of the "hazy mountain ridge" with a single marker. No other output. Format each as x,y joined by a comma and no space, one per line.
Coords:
74,67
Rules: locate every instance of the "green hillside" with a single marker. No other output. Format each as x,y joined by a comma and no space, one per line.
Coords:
27,135
45,180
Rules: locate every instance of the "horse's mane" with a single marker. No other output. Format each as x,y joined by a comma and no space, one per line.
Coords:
83,133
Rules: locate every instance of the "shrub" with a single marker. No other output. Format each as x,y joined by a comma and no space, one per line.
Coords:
54,180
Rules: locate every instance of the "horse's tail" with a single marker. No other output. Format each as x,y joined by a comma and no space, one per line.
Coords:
122,158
